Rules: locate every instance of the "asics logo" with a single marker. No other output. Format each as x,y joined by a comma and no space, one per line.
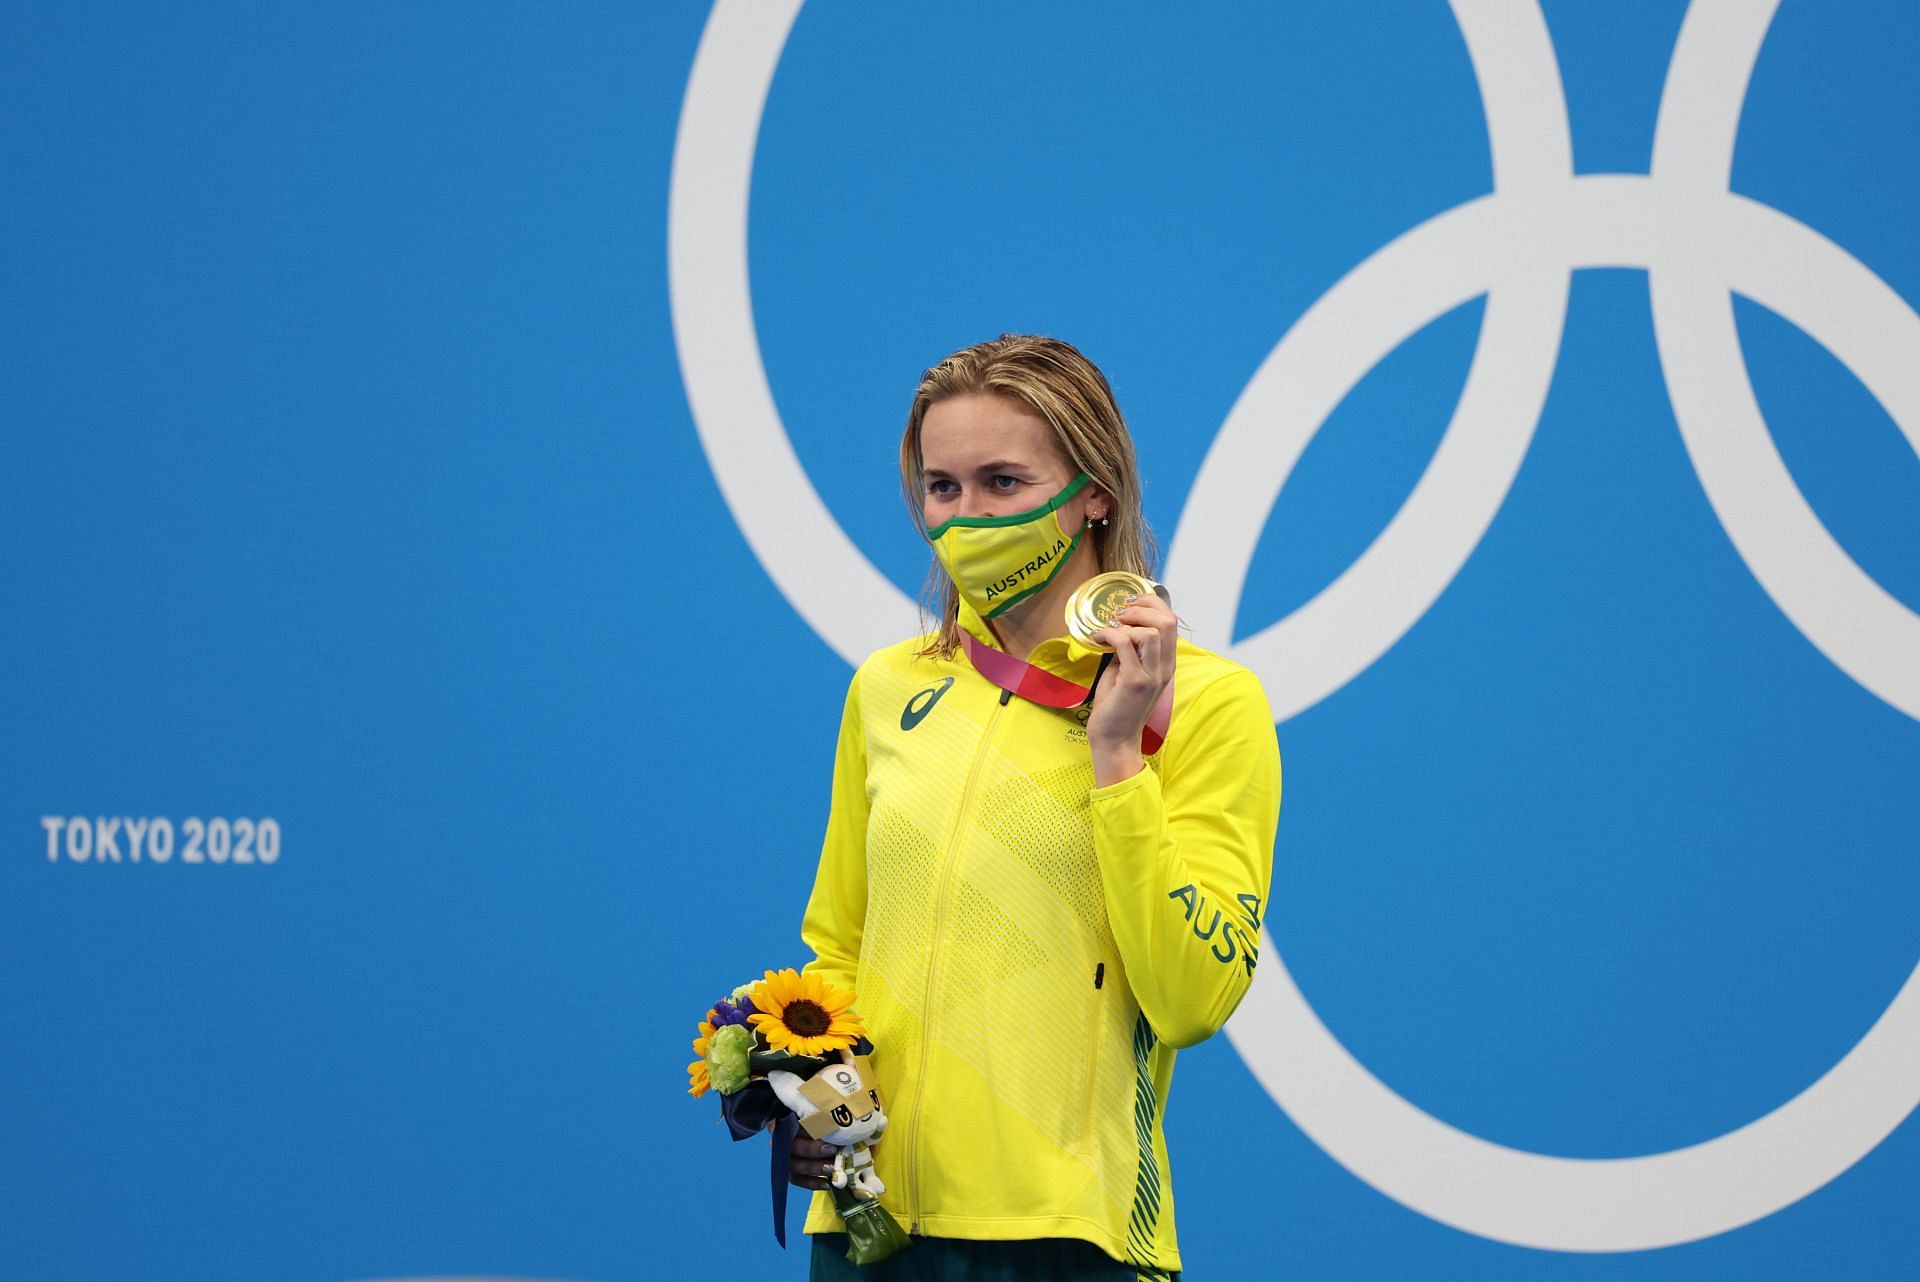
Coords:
921,704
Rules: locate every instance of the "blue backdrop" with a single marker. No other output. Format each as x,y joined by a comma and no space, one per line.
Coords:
391,517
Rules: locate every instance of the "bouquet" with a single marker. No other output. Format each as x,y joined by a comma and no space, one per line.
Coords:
788,1054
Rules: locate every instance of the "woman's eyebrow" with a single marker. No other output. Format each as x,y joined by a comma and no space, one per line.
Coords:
998,465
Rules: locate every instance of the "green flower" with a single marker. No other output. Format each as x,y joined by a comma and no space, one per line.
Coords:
727,1052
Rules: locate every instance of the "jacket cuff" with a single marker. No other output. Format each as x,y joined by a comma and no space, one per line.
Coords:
1138,779
1132,809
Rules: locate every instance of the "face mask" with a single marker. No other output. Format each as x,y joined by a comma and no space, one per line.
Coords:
999,561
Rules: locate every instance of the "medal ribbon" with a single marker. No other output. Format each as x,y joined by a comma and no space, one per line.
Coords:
1037,685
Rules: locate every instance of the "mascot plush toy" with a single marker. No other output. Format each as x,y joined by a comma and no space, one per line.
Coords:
835,1101
836,1106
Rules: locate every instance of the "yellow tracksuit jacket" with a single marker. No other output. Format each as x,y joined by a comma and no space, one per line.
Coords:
1030,950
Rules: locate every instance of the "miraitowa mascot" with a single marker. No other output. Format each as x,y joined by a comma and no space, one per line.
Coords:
837,1104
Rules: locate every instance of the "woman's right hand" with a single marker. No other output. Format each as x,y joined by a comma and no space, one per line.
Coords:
810,1165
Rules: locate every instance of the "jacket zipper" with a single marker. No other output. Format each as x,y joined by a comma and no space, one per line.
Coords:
933,956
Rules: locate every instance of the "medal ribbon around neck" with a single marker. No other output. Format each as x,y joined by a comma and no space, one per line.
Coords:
1037,685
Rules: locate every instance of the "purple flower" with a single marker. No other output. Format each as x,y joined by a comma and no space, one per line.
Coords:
725,1012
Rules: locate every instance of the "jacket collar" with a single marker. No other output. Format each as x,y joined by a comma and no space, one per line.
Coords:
1061,655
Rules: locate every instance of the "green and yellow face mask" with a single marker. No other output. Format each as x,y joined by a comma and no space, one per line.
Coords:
996,562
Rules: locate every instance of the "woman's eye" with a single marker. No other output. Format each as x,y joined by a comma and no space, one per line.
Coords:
940,487
1005,483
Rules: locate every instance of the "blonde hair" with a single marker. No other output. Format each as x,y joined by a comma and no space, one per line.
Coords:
1055,381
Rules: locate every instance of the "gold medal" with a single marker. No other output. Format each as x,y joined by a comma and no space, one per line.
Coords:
1094,603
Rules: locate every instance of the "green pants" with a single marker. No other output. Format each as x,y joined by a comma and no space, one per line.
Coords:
944,1259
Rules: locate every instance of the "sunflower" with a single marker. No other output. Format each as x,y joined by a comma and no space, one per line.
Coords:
697,1081
803,1014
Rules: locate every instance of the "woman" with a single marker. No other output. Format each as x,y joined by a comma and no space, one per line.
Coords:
1036,906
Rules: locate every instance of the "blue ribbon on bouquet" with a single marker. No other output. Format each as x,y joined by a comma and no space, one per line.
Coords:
755,1108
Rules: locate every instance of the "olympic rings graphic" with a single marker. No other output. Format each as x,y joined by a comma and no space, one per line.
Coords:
1699,243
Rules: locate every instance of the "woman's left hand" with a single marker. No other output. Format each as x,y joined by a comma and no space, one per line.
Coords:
1142,638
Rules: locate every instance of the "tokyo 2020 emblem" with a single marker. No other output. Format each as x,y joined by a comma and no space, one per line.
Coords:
1699,243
